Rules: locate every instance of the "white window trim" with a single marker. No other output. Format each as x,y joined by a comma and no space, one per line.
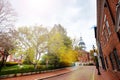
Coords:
104,17
108,27
118,19
118,27
106,36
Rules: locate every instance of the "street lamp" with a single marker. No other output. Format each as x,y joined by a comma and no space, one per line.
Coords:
96,61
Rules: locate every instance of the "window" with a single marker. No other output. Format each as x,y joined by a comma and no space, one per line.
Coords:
117,25
105,18
102,39
118,17
119,20
106,36
117,60
106,62
111,60
108,27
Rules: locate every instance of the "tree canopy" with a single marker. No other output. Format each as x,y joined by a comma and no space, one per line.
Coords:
7,31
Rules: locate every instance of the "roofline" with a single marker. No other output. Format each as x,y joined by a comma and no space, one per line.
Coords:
100,7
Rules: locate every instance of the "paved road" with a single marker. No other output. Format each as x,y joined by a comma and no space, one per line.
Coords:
82,73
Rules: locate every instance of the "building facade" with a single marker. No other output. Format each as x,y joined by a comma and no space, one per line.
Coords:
82,44
84,57
107,34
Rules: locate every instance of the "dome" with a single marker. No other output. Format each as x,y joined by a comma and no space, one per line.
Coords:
81,43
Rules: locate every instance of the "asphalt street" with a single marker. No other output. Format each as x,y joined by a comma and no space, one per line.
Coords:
82,73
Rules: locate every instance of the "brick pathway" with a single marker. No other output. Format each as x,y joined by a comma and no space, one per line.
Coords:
106,75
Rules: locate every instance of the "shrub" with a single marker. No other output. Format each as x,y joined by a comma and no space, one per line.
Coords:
11,63
17,69
91,64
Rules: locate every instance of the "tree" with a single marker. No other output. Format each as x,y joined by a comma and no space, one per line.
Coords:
29,56
92,53
7,14
60,45
58,38
50,59
7,42
68,56
77,48
33,37
7,31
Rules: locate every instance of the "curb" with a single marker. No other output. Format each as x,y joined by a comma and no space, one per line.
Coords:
56,75
52,76
29,73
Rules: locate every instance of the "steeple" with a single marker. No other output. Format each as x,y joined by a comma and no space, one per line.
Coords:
82,44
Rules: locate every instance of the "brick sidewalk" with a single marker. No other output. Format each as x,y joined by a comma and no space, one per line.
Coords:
106,75
42,75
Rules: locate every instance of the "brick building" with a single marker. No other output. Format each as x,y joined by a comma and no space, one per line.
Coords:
10,58
83,56
107,34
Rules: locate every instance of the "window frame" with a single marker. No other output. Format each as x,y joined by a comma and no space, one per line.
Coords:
118,17
108,27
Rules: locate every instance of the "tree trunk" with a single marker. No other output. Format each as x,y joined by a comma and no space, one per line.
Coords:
5,59
2,63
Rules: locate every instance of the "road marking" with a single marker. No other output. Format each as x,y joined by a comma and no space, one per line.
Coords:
93,78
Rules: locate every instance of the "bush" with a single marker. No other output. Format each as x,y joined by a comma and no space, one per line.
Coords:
28,68
64,64
17,69
41,67
11,63
44,67
91,64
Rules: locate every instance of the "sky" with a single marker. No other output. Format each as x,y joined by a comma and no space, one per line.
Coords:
78,17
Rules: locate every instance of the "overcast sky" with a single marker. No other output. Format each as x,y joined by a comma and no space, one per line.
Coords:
76,16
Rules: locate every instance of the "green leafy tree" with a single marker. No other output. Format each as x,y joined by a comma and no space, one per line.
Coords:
50,59
60,45
33,37
29,56
58,38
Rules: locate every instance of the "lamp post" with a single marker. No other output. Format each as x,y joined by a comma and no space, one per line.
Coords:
96,61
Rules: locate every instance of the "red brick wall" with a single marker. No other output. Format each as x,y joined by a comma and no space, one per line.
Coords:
113,41
112,4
